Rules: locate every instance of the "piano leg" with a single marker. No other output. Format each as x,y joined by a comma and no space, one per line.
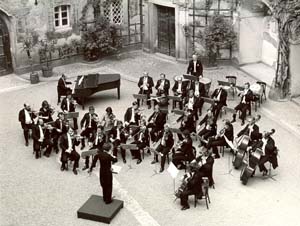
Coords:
119,92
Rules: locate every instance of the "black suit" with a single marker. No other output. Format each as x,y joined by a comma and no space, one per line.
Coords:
89,127
182,94
64,107
184,153
150,84
105,173
25,127
141,143
199,68
156,125
255,134
117,141
202,93
128,116
187,123
164,149
47,113
37,144
49,143
60,125
210,128
197,105
166,87
62,89
73,155
245,104
219,104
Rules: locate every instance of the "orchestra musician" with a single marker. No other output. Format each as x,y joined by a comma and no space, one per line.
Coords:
108,119
132,115
210,126
67,144
48,143
193,103
219,139
220,98
62,88
38,136
184,151
245,103
26,117
269,151
162,85
162,101
156,122
187,122
118,137
145,84
195,67
179,89
88,125
199,92
142,140
106,178
251,130
68,104
165,138
46,112
59,125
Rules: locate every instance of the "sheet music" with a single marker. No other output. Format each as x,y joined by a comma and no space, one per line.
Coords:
172,170
116,169
80,80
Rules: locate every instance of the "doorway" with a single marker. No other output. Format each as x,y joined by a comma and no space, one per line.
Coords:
5,54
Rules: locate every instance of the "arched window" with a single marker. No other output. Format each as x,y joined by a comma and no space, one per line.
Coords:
62,16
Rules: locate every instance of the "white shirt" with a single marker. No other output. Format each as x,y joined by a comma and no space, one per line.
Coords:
27,117
41,134
141,137
118,134
264,145
195,65
68,105
145,82
162,83
179,87
244,96
90,121
197,93
191,103
132,115
219,95
69,143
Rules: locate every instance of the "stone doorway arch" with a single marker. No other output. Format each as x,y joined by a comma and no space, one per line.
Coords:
5,50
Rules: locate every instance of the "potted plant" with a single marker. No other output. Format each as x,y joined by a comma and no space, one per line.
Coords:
45,52
218,34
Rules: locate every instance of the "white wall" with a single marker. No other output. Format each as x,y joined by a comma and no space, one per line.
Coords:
295,69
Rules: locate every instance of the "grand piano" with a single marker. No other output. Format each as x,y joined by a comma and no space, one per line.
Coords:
87,85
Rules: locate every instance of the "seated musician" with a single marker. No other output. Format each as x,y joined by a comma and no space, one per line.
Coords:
162,85
179,89
59,125
68,104
88,125
162,101
191,185
251,130
46,112
67,144
108,119
210,126
187,122
145,84
195,67
184,151
220,140
156,122
50,135
62,88
132,115
97,140
166,142
142,140
199,92
26,119
245,103
220,98
118,137
192,102
269,151
38,136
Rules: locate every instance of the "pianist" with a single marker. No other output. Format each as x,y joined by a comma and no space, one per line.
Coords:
62,88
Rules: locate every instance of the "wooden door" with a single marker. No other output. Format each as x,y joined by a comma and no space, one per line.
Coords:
5,55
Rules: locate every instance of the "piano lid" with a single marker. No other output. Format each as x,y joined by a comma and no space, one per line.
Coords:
106,78
94,80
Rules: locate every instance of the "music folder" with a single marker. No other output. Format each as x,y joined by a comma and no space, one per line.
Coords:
191,77
178,111
208,100
129,146
175,98
71,115
88,153
140,96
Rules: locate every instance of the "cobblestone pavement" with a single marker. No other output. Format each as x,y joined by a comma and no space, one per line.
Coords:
35,192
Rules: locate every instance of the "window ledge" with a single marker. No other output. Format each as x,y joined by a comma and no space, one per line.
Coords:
62,29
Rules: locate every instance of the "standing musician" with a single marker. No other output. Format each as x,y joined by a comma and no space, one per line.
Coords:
142,140
184,151
219,139
59,125
193,103
162,85
132,115
199,92
267,145
88,125
38,136
105,173
156,122
195,67
187,122
251,130
179,89
118,137
26,119
210,126
220,98
245,103
62,88
50,135
67,144
68,104
165,137
145,84
46,112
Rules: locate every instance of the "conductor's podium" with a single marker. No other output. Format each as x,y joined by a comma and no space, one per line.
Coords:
95,209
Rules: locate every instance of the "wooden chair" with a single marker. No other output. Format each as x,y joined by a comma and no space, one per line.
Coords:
205,195
264,86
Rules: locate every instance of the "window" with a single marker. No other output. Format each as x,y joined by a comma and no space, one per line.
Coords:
62,16
113,11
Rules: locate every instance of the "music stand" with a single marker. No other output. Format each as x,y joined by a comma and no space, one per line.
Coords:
88,153
175,130
208,100
140,96
178,111
191,77
129,147
174,98
71,115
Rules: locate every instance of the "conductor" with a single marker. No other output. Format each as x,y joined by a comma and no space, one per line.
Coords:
106,178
